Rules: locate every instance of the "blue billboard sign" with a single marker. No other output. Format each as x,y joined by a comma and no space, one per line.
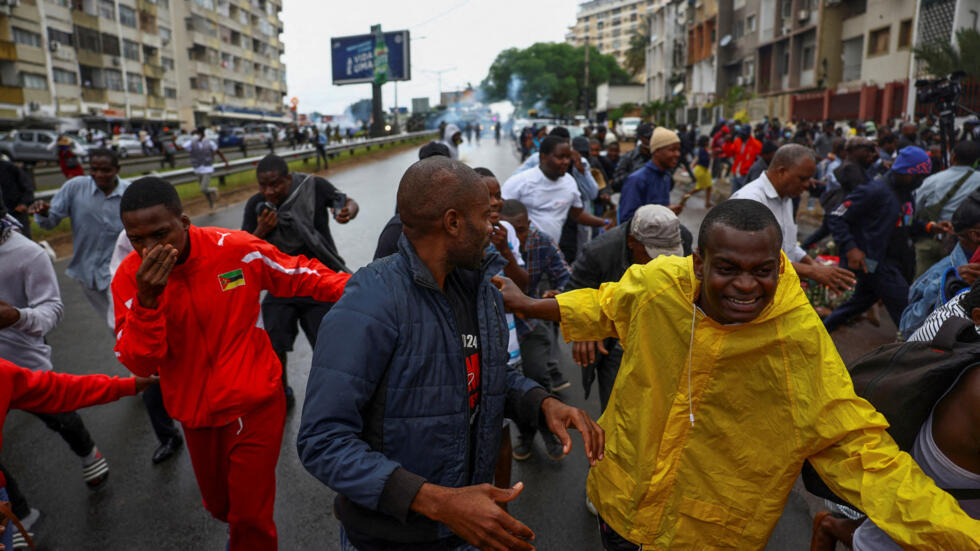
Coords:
353,57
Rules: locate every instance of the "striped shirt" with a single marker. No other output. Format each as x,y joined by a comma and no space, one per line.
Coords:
939,316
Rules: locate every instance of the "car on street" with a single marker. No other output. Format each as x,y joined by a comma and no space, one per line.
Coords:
259,133
628,126
127,145
29,145
231,137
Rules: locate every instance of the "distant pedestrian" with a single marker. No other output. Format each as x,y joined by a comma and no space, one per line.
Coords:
169,147
702,173
496,132
320,143
202,152
69,157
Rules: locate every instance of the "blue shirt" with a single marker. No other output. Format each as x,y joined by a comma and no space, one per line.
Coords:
935,187
648,186
924,294
95,225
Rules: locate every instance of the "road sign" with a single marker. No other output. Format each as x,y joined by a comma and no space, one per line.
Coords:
353,57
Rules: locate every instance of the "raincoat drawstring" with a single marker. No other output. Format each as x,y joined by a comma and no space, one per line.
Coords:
690,366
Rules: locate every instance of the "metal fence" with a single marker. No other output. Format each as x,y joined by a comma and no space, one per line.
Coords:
186,175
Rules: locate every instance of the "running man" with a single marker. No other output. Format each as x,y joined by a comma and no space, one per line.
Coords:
728,382
201,151
187,308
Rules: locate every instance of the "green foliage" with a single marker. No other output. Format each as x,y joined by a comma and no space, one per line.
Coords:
549,76
636,54
941,57
615,114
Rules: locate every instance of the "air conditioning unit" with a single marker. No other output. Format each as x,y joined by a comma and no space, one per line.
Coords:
115,61
787,29
34,106
53,46
803,15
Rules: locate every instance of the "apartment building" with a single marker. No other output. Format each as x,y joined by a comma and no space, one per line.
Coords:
665,65
702,49
145,62
608,25
738,45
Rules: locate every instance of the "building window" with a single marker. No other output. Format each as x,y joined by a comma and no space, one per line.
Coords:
165,34
785,67
65,77
113,79
131,50
88,39
852,58
134,83
110,44
127,16
905,34
27,38
33,81
107,9
170,93
739,30
167,63
809,56
787,11
750,23
91,76
62,37
878,41
206,4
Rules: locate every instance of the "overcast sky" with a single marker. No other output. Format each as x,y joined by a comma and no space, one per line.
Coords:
463,34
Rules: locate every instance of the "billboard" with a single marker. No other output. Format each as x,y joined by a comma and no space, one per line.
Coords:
353,57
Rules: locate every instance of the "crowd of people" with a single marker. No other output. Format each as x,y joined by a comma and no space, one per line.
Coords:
717,378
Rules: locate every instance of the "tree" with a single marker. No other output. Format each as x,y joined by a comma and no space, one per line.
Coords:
734,96
549,77
636,54
942,58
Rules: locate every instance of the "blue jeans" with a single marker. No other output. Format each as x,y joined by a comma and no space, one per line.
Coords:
346,545
7,538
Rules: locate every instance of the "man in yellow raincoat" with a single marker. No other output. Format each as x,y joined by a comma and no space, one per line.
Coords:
728,383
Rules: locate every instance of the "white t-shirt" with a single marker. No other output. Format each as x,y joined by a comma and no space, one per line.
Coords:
203,169
547,201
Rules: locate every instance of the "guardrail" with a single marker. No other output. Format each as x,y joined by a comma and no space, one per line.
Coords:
186,175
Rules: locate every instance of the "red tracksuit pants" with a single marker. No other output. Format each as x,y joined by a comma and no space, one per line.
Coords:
235,466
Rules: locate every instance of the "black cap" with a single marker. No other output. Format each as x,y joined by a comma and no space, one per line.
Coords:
645,130
433,149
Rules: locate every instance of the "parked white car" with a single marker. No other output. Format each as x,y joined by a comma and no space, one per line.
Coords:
127,145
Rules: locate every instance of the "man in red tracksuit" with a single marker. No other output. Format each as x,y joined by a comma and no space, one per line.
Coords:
187,308
51,392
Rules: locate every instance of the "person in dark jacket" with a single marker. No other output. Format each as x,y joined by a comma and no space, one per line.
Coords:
653,231
405,422
303,230
873,229
17,191
635,159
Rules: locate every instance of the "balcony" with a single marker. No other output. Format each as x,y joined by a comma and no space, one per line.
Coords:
11,94
156,102
153,71
79,17
8,50
95,95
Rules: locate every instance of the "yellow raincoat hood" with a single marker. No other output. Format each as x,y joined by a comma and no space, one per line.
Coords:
765,396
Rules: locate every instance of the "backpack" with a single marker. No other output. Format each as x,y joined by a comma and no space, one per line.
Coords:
903,381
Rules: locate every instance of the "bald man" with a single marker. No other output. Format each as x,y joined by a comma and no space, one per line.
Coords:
410,383
789,174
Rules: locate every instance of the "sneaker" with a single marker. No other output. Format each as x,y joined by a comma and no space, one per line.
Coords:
29,522
95,469
522,450
553,447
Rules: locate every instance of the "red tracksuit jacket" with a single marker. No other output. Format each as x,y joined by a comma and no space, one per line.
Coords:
51,392
205,338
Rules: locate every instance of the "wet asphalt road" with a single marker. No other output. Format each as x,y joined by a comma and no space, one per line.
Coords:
146,507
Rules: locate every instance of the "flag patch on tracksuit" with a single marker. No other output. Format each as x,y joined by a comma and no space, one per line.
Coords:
232,279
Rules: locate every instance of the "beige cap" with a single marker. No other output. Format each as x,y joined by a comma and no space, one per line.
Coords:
658,229
662,138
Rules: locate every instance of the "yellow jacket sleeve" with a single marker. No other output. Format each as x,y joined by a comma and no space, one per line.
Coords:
594,314
861,463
